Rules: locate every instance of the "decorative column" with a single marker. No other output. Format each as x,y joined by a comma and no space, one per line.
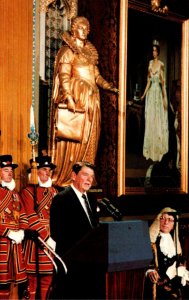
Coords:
42,15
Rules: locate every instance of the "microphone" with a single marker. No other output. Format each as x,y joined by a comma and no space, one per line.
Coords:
115,213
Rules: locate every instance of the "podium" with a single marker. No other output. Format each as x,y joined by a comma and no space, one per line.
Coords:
114,256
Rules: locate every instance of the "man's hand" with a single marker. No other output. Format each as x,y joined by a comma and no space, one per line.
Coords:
184,274
16,236
171,271
71,104
114,89
154,276
51,243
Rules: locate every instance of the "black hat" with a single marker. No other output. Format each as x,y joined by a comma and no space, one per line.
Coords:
42,162
6,161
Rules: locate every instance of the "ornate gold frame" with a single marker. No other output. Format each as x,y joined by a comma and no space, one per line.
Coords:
121,170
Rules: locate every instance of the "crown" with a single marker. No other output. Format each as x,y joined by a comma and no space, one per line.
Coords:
155,43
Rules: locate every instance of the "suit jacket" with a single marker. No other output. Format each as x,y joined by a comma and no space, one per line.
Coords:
68,220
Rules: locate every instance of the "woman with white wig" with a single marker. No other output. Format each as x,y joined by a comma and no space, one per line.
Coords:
167,274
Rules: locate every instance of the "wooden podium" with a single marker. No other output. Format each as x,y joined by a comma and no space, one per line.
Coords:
118,252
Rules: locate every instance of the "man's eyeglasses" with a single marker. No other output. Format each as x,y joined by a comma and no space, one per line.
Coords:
169,220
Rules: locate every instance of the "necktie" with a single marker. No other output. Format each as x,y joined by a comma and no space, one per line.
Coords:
89,211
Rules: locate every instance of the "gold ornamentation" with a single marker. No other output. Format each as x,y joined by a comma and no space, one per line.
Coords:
156,7
16,208
73,9
44,5
155,43
70,6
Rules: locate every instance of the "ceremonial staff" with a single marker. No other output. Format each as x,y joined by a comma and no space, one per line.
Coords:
34,137
154,286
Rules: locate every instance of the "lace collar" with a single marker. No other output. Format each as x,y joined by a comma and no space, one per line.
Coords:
88,52
167,245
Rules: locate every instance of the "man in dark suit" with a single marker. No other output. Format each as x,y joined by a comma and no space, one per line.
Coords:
73,215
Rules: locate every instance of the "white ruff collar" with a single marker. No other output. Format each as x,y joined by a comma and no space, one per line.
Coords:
46,184
167,245
10,185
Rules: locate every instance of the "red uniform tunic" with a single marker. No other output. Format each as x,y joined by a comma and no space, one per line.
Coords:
12,217
38,220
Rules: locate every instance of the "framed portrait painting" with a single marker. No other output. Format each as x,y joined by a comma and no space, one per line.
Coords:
153,100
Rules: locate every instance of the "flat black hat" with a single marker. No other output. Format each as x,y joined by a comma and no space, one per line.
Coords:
42,162
6,161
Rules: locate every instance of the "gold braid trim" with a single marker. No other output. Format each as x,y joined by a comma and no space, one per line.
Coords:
154,251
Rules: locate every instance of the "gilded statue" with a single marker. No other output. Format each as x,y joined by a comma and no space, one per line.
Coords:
75,92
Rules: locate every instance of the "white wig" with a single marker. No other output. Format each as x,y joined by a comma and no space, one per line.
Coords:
154,229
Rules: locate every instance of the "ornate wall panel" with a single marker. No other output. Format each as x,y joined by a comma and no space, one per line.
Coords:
54,29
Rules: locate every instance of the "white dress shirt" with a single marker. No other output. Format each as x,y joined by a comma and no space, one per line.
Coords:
82,201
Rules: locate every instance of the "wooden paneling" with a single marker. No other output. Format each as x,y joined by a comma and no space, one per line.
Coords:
125,285
16,23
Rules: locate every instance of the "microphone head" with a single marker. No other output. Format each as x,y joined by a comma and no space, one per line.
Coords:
114,212
105,200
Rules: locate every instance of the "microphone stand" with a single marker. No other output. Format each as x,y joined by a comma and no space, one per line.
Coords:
114,212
